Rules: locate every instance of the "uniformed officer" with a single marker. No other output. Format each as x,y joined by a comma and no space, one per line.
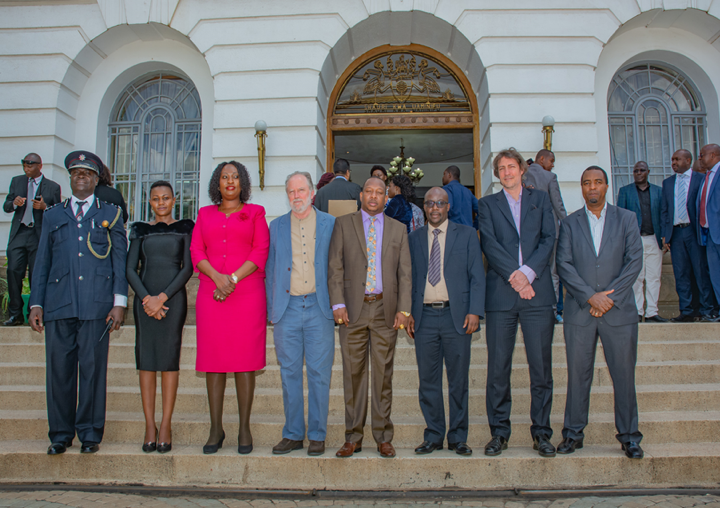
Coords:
78,287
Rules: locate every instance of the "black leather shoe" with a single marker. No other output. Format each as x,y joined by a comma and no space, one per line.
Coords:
286,446
58,448
544,447
633,450
496,445
213,448
245,449
656,319
569,445
428,447
149,447
460,448
89,447
14,321
684,318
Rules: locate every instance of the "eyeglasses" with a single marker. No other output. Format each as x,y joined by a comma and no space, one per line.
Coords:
29,163
440,204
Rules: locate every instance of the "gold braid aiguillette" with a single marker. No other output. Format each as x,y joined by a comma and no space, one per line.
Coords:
109,227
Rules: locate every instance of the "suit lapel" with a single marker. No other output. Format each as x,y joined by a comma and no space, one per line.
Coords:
505,208
285,232
524,205
424,247
92,210
608,229
449,241
585,227
357,222
673,179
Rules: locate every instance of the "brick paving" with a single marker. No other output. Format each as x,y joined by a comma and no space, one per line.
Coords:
80,499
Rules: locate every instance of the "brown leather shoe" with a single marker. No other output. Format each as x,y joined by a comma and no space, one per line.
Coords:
348,449
316,447
386,450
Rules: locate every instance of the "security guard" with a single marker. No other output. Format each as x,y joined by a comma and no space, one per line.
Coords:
79,285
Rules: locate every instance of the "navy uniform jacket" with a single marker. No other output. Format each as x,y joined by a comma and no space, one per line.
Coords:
69,281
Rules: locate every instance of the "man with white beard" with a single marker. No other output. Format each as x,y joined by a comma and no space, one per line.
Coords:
299,308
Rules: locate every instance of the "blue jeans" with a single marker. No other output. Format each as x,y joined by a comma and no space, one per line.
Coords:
305,333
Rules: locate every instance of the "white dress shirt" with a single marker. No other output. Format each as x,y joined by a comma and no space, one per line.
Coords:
597,226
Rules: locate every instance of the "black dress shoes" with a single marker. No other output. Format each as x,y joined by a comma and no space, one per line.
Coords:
632,450
58,448
213,448
569,445
684,318
496,445
89,447
164,447
428,447
14,321
544,447
460,448
149,447
656,319
286,446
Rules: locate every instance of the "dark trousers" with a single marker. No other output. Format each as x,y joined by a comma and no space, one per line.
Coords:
620,347
690,263
73,406
713,259
369,337
21,258
437,340
537,326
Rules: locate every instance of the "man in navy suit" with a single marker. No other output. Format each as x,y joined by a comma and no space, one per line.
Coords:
517,227
447,301
79,287
645,199
463,205
299,306
679,232
708,210
29,196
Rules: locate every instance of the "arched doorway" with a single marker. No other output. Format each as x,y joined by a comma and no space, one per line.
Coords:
405,96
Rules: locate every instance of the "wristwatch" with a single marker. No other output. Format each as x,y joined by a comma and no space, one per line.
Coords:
406,314
234,278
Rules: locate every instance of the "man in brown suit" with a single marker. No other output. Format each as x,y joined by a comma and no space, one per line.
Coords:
369,281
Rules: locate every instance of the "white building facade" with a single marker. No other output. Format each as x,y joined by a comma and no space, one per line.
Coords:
168,89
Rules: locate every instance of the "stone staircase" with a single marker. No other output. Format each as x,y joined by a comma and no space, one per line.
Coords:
678,378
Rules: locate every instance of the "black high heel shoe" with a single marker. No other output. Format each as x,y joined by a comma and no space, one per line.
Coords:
150,447
164,447
244,449
208,449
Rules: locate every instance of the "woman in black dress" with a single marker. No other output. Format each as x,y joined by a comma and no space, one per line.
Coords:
158,267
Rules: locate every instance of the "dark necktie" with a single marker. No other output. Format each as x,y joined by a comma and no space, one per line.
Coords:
79,214
703,201
434,265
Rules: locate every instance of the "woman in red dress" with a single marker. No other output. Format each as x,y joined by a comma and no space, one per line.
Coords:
229,248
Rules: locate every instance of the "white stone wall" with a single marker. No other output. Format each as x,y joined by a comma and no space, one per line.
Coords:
63,64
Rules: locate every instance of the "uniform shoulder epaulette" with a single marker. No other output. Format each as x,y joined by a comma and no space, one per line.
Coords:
98,200
53,206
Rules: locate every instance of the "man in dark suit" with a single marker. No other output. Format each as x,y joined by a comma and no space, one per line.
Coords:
518,235
29,196
599,257
340,189
540,176
708,210
645,200
679,224
463,205
447,301
369,281
79,295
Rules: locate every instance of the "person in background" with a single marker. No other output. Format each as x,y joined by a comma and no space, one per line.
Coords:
158,268
380,172
463,205
229,248
340,189
645,199
325,179
107,193
28,197
400,192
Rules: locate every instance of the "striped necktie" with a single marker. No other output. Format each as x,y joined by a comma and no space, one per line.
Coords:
434,264
79,214
371,241
681,215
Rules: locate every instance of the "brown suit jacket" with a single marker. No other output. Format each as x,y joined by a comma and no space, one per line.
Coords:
347,266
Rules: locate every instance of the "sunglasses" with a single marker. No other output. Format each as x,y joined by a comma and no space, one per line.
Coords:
440,204
29,163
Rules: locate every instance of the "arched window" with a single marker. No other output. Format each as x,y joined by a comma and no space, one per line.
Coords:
652,111
154,134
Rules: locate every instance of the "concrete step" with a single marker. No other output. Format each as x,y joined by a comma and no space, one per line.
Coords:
126,399
192,429
664,465
652,332
650,351
404,377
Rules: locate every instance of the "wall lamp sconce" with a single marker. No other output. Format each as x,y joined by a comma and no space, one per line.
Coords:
261,134
548,124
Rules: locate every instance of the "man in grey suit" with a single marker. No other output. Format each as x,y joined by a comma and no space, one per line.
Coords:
599,257
518,235
340,189
540,176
